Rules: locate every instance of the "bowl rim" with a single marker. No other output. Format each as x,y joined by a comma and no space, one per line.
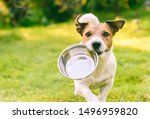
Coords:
70,47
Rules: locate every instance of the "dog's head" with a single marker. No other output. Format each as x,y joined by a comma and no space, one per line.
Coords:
97,36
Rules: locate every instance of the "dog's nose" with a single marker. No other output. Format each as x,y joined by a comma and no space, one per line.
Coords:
96,45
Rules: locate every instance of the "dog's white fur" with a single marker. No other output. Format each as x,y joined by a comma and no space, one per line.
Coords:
89,18
103,76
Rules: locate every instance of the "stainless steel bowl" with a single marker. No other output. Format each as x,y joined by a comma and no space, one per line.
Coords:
77,61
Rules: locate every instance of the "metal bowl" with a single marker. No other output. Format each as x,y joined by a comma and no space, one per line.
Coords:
77,61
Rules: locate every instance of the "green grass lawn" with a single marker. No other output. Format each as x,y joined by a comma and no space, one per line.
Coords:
28,64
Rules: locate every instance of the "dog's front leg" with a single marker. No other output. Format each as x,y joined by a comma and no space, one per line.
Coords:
83,90
104,90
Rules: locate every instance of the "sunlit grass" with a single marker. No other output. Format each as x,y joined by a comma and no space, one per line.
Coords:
28,64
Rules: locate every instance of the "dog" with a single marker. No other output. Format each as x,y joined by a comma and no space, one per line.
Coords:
98,37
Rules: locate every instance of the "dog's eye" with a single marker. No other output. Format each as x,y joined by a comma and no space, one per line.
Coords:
105,34
88,34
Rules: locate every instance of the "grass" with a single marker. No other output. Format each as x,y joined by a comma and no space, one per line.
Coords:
28,63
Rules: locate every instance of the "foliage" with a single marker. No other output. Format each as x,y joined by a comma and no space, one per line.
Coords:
27,12
18,10
4,12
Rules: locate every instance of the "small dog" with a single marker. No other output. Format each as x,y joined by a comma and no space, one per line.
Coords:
98,37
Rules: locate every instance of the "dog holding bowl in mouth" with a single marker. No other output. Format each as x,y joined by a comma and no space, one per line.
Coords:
97,37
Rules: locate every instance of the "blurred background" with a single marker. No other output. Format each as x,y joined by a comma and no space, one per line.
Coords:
34,32
44,12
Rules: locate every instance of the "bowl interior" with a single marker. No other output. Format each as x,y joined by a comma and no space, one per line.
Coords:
77,62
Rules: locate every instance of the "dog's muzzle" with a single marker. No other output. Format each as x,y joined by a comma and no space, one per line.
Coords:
96,46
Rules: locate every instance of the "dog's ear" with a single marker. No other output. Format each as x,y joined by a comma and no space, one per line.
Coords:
115,25
80,26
